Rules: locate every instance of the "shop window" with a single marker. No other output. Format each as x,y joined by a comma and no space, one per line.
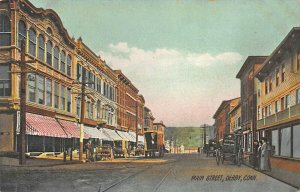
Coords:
56,58
63,62
285,145
49,52
69,100
296,141
275,141
31,86
56,95
40,89
32,42
5,80
69,65
22,33
41,51
63,97
49,92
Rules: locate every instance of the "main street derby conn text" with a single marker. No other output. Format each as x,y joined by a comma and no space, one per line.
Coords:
222,178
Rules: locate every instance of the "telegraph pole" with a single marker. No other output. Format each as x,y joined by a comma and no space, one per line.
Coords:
204,126
82,115
22,146
137,119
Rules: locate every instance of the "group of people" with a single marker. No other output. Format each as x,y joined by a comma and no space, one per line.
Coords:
262,152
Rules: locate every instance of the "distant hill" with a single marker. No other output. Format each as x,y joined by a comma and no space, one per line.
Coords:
187,136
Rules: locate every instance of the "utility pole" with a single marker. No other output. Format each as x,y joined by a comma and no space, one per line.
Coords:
204,126
22,146
136,124
82,115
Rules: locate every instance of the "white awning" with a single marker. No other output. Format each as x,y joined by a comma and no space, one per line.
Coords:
112,134
123,135
141,139
128,136
133,135
95,133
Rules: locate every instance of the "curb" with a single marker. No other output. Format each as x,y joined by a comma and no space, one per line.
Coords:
270,175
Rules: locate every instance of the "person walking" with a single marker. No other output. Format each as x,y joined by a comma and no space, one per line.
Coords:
255,151
258,156
269,153
88,150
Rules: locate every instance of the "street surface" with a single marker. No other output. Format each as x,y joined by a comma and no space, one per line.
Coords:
181,172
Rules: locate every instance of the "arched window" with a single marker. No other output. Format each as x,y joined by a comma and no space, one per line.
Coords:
63,62
41,51
22,33
56,58
49,52
4,30
32,42
69,65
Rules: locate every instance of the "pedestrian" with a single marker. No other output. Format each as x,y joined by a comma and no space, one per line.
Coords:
264,156
88,150
258,156
255,151
269,153
92,150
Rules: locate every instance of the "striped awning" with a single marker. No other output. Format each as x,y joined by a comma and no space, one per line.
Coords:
112,134
126,136
96,134
71,129
133,135
44,126
141,139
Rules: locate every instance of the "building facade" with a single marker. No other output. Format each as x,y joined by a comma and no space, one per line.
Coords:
235,118
148,119
279,101
249,98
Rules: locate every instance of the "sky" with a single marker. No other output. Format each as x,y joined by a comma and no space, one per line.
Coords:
183,56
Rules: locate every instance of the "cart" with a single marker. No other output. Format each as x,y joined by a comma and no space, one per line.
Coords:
231,149
211,147
154,143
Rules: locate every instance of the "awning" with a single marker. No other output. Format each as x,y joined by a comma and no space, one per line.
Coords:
44,126
141,139
71,129
112,134
126,135
133,135
96,134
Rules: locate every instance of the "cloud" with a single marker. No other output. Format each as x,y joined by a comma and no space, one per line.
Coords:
179,87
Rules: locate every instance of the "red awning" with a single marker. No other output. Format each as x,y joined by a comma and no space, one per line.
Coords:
71,129
44,126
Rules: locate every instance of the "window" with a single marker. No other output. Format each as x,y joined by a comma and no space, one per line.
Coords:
282,73
258,112
4,30
63,97
22,33
266,111
78,107
277,106
40,89
41,51
104,90
49,92
69,65
79,72
56,58
32,42
298,96
285,144
275,141
270,84
56,95
296,141
298,61
87,105
99,86
5,80
69,100
266,86
269,110
49,52
287,101
63,62
91,116
277,77
98,109
31,87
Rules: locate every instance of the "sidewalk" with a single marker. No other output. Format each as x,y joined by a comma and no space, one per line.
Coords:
280,172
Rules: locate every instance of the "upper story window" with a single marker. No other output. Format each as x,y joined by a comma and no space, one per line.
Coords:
69,100
277,106
287,101
277,77
56,58
5,80
298,96
298,61
49,92
49,52
266,86
5,31
22,32
32,42
31,78
63,62
69,65
79,72
41,51
40,89
270,84
283,73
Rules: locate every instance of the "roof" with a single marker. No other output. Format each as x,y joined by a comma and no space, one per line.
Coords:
249,62
287,42
222,106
